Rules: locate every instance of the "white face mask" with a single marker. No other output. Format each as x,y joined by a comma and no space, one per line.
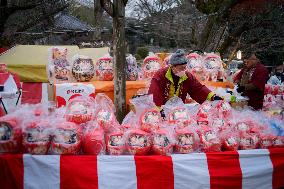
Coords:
180,74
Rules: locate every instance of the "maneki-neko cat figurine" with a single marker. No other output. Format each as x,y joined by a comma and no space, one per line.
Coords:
67,139
37,137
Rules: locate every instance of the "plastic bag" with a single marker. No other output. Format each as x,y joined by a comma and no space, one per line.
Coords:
93,140
83,68
187,140
138,142
149,117
104,68
209,140
58,68
67,138
230,140
163,142
248,141
10,135
37,136
115,142
176,112
80,110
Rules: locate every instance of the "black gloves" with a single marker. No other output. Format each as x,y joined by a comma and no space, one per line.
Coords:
163,115
240,89
217,98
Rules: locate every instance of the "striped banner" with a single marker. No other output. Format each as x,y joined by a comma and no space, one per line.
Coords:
261,169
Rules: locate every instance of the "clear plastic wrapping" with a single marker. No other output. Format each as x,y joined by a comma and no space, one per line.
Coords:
93,140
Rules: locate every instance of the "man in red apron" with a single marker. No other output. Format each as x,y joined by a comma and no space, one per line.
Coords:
251,80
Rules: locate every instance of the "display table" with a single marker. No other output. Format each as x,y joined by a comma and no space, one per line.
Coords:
242,169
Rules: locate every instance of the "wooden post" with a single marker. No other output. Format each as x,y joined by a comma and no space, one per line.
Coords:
116,10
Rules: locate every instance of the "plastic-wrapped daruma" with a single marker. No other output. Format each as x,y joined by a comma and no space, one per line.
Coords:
150,120
93,141
278,142
231,143
10,136
179,115
106,119
67,139
115,143
266,141
162,142
209,140
79,110
224,109
248,141
36,137
186,141
138,142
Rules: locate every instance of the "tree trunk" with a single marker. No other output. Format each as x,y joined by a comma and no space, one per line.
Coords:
119,60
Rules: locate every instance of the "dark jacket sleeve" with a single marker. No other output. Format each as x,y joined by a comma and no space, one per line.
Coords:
155,89
197,91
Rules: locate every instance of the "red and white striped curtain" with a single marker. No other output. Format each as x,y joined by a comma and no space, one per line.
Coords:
252,169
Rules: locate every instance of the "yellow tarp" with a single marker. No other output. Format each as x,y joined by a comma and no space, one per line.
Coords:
29,61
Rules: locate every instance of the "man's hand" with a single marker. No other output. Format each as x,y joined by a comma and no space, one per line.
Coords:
240,89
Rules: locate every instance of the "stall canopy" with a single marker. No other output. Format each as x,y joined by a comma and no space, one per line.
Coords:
29,61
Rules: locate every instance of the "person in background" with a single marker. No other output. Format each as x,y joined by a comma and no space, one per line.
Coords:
175,80
251,80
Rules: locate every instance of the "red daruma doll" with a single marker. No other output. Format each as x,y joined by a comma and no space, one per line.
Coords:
179,116
248,141
162,142
115,142
104,68
224,109
93,140
266,141
209,140
150,120
151,65
186,141
138,142
67,139
36,137
79,110
10,135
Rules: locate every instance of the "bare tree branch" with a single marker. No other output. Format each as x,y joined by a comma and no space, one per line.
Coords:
125,2
107,6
